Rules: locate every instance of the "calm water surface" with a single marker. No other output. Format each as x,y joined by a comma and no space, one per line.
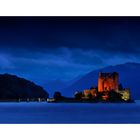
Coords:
69,113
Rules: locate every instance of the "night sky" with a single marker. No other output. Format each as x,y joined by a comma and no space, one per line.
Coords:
50,48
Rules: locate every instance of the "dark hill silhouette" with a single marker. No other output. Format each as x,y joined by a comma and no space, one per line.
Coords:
13,87
129,76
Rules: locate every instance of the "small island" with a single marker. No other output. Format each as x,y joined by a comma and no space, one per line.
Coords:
108,91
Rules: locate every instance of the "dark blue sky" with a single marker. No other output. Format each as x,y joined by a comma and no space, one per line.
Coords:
49,48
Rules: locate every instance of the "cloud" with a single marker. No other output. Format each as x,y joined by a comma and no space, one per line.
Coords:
63,63
5,62
101,34
63,48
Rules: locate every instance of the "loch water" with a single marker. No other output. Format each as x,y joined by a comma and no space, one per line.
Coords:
69,113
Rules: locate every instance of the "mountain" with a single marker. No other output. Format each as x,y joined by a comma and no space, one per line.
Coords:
58,85
13,87
54,85
129,77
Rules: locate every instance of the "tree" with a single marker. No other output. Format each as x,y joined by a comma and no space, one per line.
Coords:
78,95
114,96
90,96
57,95
120,87
93,87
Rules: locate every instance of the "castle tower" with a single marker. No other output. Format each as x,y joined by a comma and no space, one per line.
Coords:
116,80
100,83
107,81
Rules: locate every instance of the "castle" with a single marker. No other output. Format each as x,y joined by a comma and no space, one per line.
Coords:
108,88
108,82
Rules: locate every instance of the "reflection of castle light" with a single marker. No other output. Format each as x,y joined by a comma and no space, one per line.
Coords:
107,81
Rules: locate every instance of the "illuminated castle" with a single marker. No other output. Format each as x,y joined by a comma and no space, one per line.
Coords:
108,90
108,81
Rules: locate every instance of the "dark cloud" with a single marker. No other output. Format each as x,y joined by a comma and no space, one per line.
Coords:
65,47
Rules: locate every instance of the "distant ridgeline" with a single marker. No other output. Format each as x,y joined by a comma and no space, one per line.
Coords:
108,90
13,88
